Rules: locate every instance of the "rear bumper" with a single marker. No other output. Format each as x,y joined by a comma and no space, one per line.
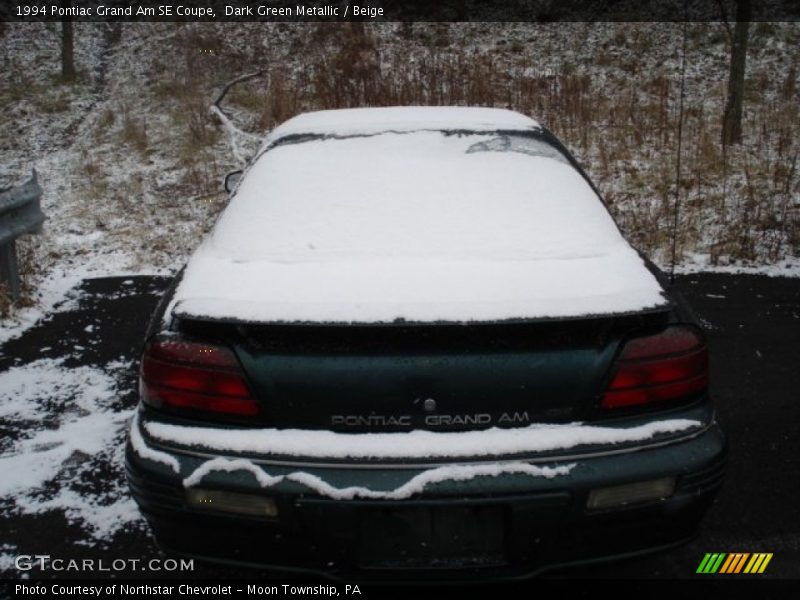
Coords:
490,527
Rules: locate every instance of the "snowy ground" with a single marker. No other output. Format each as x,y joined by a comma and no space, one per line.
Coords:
38,470
67,395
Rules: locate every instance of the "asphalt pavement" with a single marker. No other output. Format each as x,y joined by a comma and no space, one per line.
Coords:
753,326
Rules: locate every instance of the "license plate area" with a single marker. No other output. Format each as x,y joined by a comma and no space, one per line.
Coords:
432,537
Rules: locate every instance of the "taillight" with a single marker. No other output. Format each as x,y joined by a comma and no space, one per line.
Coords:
667,366
186,375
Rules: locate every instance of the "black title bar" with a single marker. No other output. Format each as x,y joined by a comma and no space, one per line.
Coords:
543,11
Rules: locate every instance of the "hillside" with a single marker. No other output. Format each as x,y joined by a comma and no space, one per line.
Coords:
131,157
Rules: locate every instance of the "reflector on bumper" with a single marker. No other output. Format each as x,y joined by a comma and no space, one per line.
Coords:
231,502
631,493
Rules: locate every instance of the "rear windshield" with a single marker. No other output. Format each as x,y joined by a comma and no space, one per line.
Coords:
524,142
425,194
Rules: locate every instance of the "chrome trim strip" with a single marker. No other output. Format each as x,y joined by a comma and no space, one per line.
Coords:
395,465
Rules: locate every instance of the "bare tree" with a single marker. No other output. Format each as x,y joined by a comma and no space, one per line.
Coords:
67,46
732,117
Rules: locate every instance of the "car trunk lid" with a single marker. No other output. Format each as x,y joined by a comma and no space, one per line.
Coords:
434,377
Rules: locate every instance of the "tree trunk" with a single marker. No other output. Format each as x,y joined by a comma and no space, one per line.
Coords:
732,117
67,46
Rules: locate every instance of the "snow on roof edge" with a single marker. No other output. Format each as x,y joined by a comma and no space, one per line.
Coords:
350,121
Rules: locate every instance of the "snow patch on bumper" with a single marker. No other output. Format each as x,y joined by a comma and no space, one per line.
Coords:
417,444
415,485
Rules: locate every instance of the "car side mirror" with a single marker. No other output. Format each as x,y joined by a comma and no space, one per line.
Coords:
232,179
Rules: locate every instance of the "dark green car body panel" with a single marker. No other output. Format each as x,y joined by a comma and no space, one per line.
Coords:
306,390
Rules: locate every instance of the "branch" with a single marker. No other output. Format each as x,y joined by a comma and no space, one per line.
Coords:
232,83
233,131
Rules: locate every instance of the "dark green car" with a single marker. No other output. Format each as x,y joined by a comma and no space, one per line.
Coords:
417,345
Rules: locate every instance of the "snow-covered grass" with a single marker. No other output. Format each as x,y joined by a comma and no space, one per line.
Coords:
703,263
131,158
113,196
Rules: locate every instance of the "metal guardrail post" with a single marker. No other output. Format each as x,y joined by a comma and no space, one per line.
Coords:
20,213
9,274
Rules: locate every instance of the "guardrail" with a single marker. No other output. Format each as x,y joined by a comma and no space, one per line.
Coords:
20,213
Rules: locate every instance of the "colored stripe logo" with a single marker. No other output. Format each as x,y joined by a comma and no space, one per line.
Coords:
734,563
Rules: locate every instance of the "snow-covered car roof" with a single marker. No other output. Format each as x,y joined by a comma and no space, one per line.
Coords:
418,221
